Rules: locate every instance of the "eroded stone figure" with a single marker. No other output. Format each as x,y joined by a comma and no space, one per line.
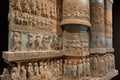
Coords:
31,43
23,73
5,75
36,69
31,74
88,72
80,69
16,41
65,68
14,74
54,43
74,70
38,43
46,42
41,70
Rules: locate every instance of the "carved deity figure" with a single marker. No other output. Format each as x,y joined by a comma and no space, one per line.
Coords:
23,73
38,42
58,68
36,69
41,70
80,69
106,63
88,67
46,42
61,66
84,68
14,74
102,66
5,75
69,71
113,61
31,43
16,41
99,42
31,75
11,18
65,69
54,43
74,70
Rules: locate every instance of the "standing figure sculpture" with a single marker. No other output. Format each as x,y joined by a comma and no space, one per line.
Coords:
16,41
14,74
23,73
36,69
31,43
5,75
80,69
46,43
31,75
38,43
74,70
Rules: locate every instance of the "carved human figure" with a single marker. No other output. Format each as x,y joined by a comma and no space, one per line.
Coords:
102,66
36,69
38,42
88,67
31,43
31,75
58,69
14,74
106,63
61,66
99,42
80,69
113,61
69,71
46,42
84,68
16,41
74,70
95,65
39,7
65,68
23,73
41,70
5,75
54,43
11,18
55,70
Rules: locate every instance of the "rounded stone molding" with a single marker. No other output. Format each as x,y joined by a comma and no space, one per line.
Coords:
76,12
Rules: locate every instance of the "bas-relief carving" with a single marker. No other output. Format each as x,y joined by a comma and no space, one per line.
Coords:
33,35
72,9
74,42
98,25
20,41
38,14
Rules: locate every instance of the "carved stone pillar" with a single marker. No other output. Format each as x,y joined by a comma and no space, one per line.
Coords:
108,24
98,27
76,12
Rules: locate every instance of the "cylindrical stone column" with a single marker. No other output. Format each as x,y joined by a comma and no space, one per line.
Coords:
76,12
97,44
108,24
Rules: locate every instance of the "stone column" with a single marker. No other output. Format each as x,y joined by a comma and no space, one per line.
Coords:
108,25
75,25
76,12
97,44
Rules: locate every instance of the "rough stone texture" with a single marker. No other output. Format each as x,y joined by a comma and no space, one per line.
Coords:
66,41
